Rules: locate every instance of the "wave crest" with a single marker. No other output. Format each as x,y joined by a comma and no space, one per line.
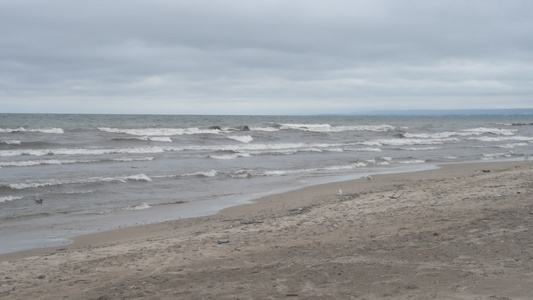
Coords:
43,130
160,131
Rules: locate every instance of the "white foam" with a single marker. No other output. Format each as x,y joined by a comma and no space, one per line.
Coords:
29,163
241,138
492,155
440,135
257,149
465,132
345,167
409,142
498,131
11,142
79,151
139,177
502,138
267,129
133,159
335,150
22,129
35,162
211,173
286,172
421,149
21,186
310,170
160,131
229,156
54,182
365,149
9,198
413,161
513,145
141,206
165,139
328,128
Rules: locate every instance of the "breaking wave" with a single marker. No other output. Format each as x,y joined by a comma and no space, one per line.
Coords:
22,129
79,151
328,128
141,206
54,182
29,163
160,131
9,198
241,138
11,142
503,138
409,142
263,173
147,138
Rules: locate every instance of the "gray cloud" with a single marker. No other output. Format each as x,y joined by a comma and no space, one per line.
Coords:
251,57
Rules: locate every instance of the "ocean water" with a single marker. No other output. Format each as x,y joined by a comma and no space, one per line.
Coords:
98,172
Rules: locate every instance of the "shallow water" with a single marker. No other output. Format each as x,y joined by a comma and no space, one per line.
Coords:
97,172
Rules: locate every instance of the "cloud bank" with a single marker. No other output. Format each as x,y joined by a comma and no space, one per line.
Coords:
264,57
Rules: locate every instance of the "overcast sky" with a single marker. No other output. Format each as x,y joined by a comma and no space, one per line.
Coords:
264,57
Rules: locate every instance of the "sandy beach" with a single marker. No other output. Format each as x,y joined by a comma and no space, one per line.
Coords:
460,232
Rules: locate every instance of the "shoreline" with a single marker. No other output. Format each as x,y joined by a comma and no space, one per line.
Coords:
133,231
312,220
66,236
146,230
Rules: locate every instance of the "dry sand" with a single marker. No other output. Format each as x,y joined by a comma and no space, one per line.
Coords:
460,232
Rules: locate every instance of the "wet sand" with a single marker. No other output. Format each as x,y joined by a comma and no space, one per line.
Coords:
459,232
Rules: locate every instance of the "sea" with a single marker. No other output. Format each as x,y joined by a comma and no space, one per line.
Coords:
63,175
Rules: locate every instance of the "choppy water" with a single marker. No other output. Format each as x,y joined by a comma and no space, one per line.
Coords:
96,172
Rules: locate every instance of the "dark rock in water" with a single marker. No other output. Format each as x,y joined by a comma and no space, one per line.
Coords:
39,201
215,128
245,128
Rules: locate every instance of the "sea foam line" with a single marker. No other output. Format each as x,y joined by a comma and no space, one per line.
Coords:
11,142
141,206
22,129
29,163
409,142
53,182
502,138
79,151
513,145
262,173
328,128
498,131
9,198
241,138
160,131
264,148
